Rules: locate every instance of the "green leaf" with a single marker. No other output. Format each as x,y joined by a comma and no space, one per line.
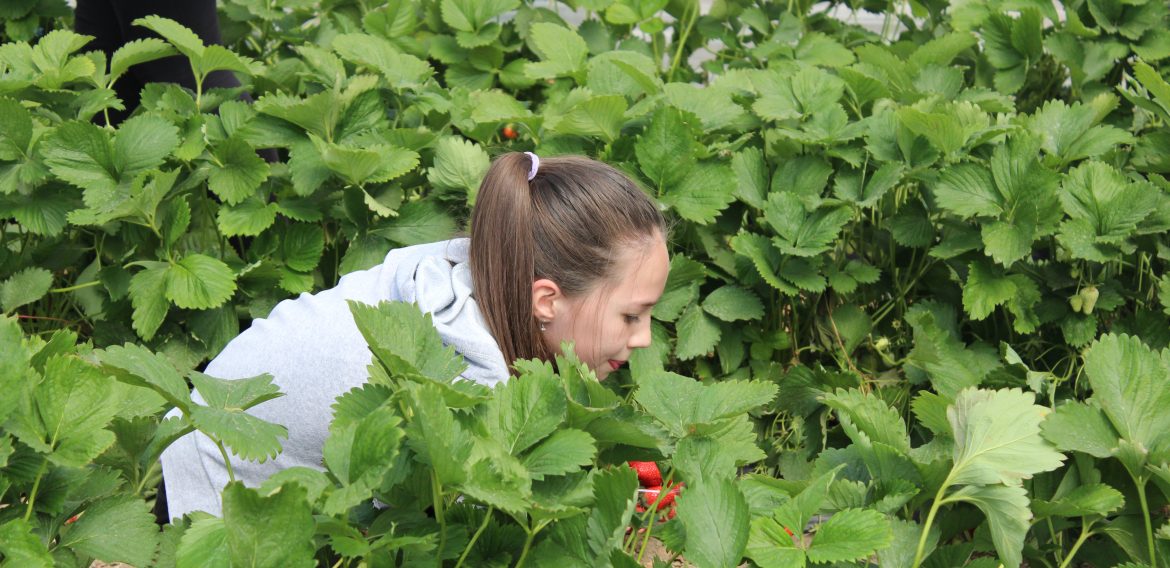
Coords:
764,257
1106,205
713,105
65,414
204,544
1086,500
601,116
401,70
138,51
707,189
682,288
680,403
269,530
81,154
525,410
14,364
184,39
985,289
849,535
376,163
248,437
715,515
138,366
799,232
148,297
1070,132
1007,242
614,491
565,451
997,438
237,171
406,342
142,143
436,436
470,15
116,529
733,303
198,282
418,222
561,50
1006,508
361,452
459,165
1081,427
21,547
770,545
1128,381
950,364
697,333
879,182
751,175
249,218
868,419
302,246
665,149
235,394
500,480
16,129
968,190
25,287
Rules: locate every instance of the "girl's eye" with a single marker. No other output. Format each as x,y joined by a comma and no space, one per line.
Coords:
630,318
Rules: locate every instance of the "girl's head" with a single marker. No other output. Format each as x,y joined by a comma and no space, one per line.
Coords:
576,254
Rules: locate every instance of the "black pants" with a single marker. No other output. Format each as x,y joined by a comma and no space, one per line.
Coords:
110,22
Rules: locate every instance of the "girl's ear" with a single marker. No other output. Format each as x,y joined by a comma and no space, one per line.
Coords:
545,297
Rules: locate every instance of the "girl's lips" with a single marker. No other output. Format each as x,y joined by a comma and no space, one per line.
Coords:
616,364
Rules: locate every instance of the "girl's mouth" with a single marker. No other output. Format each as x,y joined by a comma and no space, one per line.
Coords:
616,364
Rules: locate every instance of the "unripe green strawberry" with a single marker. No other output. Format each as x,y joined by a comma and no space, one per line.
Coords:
1089,294
1076,302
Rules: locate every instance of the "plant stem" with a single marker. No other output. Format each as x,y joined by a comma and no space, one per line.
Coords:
1141,489
75,287
32,495
1085,534
437,498
682,40
938,500
527,546
649,529
226,462
487,517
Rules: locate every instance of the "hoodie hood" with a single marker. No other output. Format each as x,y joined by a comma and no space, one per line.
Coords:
437,277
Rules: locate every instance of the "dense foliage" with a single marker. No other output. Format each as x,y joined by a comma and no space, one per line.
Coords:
919,278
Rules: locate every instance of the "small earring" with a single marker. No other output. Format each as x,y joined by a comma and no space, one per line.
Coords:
542,324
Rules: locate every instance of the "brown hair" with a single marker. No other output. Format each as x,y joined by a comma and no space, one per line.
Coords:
566,225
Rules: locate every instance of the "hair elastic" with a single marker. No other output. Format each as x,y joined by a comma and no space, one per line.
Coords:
535,165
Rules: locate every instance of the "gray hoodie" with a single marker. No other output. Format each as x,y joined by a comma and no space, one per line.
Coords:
313,350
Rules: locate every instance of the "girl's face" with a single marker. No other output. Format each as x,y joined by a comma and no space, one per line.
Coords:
612,320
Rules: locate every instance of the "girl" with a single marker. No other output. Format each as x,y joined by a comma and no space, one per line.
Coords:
561,249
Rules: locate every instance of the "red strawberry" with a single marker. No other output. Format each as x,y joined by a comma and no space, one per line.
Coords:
509,132
648,474
667,500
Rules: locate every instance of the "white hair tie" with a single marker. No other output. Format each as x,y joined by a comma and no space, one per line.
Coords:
535,165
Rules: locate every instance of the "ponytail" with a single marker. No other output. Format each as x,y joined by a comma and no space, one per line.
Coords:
503,257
